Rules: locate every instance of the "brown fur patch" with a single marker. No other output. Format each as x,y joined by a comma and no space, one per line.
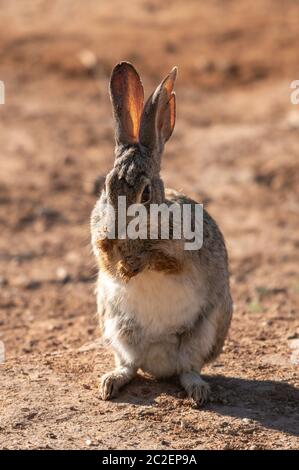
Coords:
105,245
106,260
119,261
168,264
124,272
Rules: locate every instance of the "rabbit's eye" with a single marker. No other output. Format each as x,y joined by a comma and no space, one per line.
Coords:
146,195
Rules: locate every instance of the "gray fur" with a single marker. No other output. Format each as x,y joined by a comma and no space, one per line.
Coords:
126,266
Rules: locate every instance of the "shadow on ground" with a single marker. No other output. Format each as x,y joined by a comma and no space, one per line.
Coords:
272,404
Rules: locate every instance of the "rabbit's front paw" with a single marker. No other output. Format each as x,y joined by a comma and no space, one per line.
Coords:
111,382
108,385
127,270
196,387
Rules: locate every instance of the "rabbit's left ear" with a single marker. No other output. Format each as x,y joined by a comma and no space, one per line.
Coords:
158,117
127,97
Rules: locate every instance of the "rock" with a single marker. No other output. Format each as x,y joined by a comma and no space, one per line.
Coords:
88,59
3,281
248,431
32,284
267,323
2,352
230,69
164,443
224,424
293,336
86,386
62,275
246,420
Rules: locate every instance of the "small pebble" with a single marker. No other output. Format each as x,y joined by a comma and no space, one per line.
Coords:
293,336
33,284
88,59
224,424
3,281
2,352
164,443
62,274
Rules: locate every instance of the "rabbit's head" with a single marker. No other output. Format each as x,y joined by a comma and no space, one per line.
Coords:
140,134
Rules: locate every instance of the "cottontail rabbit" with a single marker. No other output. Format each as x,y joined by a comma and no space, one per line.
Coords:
163,309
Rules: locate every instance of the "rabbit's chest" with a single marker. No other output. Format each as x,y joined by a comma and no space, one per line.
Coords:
159,303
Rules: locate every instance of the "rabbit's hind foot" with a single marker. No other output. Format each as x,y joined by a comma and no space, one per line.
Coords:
195,386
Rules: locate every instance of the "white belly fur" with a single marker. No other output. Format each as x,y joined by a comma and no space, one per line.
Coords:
158,302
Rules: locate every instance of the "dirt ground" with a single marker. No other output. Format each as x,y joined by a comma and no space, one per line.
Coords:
235,148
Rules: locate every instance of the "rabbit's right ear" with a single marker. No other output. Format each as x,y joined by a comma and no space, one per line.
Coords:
127,95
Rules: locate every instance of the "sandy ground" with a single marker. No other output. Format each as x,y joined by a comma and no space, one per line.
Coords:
235,148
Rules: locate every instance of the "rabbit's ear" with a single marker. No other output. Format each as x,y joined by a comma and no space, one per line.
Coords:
126,92
158,117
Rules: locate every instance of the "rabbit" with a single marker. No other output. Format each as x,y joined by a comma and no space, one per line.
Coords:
162,309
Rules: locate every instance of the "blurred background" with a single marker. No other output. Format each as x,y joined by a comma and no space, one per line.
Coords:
235,148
